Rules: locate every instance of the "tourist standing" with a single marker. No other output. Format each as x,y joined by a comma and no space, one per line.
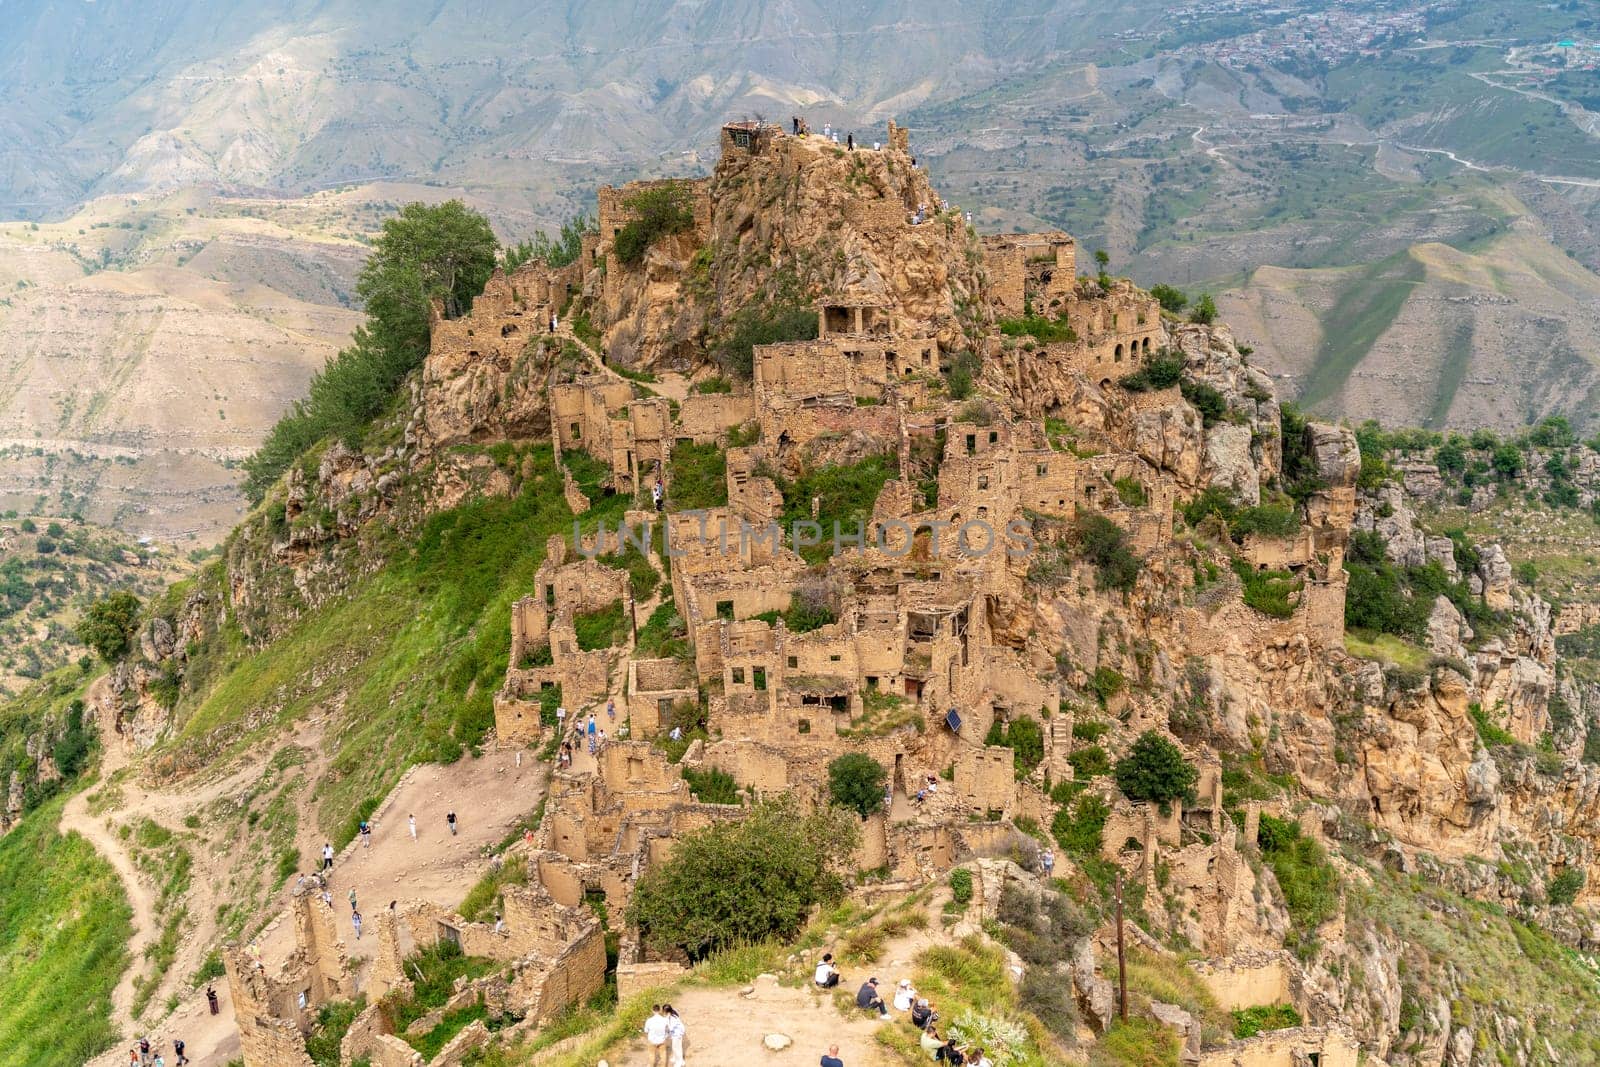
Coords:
411,821
677,1034
450,817
355,920
655,1035
211,999
327,855
352,900
179,1059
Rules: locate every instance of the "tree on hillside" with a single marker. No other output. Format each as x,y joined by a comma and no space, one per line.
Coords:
744,881
1204,310
445,252
556,251
1154,769
1170,298
856,781
109,625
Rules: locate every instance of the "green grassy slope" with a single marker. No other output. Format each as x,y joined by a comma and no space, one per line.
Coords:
64,930
415,652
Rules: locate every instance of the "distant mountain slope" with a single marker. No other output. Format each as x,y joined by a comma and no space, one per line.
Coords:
295,96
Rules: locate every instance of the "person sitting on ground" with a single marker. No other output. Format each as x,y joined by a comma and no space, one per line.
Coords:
977,1059
831,1057
930,1042
922,1014
827,974
867,997
948,1053
904,995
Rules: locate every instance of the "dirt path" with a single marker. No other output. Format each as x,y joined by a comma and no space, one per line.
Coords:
726,1027
488,795
75,818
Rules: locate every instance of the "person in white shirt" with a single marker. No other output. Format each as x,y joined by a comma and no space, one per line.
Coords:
655,1033
827,974
976,1058
904,995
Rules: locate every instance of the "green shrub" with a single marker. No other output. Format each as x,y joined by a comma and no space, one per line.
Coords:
555,252
1078,829
333,1021
1211,405
1107,683
1565,887
1039,328
715,384
712,786
1089,762
745,881
1489,731
1266,520
856,781
1268,592
961,886
1154,770
1309,882
658,212
959,379
1204,310
1162,371
1024,737
1248,1022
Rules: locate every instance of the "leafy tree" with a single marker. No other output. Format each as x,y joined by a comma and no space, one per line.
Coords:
739,882
1450,457
1154,769
1553,432
1204,310
856,781
555,252
1170,299
763,323
1506,461
1102,258
1104,544
444,252
658,212
109,625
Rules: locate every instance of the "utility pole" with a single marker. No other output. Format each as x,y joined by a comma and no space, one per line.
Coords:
1122,965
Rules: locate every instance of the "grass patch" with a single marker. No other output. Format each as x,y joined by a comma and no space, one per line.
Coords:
482,902
605,628
699,477
64,930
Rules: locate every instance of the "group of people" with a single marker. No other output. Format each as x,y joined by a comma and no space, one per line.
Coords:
905,999
147,1053
665,1033
803,129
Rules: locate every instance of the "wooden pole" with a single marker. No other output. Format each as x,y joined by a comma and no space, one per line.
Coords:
1122,964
